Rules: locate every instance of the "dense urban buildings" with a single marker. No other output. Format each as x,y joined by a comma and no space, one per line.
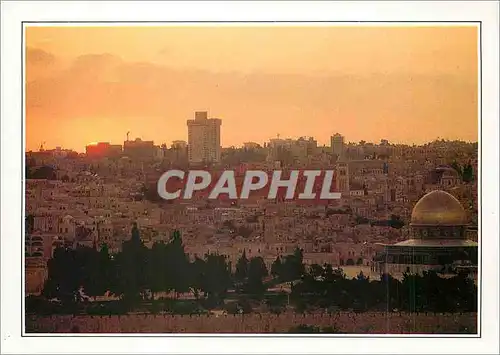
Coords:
139,149
404,210
93,199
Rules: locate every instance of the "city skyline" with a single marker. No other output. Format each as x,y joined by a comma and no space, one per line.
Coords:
341,79
240,146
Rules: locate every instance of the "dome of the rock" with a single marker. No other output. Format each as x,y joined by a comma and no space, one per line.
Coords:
438,208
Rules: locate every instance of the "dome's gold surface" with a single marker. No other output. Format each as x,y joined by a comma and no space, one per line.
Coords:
438,208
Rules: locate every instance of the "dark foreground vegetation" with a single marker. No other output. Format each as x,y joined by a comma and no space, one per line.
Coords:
159,289
162,280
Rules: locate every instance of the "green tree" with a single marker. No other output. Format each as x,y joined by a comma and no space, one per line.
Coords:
303,328
277,268
158,269
330,330
217,278
178,264
132,265
316,271
257,270
468,173
198,268
396,222
44,172
64,276
241,272
95,269
457,167
293,267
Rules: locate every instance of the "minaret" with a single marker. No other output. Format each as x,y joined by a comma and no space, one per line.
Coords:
342,176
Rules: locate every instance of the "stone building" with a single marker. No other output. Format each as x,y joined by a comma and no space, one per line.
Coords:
438,240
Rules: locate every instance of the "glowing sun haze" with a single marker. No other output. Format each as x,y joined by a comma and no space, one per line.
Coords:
405,84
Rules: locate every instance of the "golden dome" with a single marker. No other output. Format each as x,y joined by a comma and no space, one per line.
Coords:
438,208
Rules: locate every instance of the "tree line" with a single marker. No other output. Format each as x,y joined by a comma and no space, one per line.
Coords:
43,172
137,274
325,287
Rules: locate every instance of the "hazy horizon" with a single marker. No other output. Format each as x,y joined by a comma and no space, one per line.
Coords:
405,84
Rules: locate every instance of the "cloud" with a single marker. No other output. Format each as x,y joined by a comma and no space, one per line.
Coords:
36,56
39,64
154,98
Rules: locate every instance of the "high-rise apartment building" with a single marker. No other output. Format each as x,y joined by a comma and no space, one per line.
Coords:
338,146
204,138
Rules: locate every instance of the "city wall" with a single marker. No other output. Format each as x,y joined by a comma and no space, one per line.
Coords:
343,322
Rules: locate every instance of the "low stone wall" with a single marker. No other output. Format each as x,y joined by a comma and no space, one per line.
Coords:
344,322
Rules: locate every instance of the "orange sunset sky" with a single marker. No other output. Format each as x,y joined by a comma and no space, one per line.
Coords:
405,84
